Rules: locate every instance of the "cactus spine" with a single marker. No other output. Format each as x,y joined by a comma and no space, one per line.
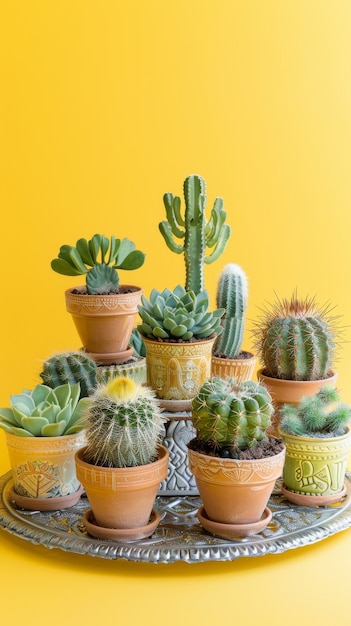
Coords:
296,340
232,296
70,367
124,425
232,414
322,415
197,234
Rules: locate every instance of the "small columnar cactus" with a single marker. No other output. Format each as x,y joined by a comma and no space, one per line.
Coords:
125,425
70,367
178,314
231,414
322,415
295,340
195,233
232,296
45,412
104,256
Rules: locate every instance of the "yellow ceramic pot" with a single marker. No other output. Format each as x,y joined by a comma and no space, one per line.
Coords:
176,371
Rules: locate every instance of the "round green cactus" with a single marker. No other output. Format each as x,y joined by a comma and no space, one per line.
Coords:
125,425
70,367
232,414
295,340
178,314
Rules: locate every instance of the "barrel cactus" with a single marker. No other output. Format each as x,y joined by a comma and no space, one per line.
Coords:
230,414
193,232
178,315
296,339
322,415
125,425
70,367
231,295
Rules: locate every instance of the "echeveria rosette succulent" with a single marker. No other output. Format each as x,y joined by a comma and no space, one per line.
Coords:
178,315
45,412
104,256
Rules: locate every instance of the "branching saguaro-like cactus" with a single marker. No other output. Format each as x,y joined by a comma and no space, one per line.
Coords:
70,367
231,295
231,414
196,234
125,425
296,339
322,415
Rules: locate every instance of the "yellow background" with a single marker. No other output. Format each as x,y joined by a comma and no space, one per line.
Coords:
106,105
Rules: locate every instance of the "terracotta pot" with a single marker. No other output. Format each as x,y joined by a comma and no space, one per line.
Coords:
105,322
122,498
176,371
290,392
315,467
233,491
44,471
241,369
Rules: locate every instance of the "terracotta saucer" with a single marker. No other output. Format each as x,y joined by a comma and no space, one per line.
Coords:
45,504
307,500
112,358
120,534
233,531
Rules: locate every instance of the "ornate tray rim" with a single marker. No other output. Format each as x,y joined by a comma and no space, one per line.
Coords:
22,525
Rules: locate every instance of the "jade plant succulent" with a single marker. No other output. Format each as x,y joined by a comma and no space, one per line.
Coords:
45,412
230,415
98,258
322,415
178,315
191,234
296,339
231,295
125,425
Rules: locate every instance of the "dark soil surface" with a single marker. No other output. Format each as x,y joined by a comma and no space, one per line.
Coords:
122,289
267,447
242,355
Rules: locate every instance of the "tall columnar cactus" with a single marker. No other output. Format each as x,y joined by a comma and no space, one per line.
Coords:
296,340
70,367
231,414
322,415
125,425
197,233
232,296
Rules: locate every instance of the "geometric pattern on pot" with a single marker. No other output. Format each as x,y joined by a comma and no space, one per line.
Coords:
244,471
44,466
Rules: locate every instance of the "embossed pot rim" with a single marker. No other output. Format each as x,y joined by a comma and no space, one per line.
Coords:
96,300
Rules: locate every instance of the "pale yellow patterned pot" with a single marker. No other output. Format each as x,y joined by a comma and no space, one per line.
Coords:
176,371
315,467
44,471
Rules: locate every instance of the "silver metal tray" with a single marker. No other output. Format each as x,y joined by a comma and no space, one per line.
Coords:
179,536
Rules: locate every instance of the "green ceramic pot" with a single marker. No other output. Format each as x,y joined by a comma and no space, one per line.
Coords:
315,466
